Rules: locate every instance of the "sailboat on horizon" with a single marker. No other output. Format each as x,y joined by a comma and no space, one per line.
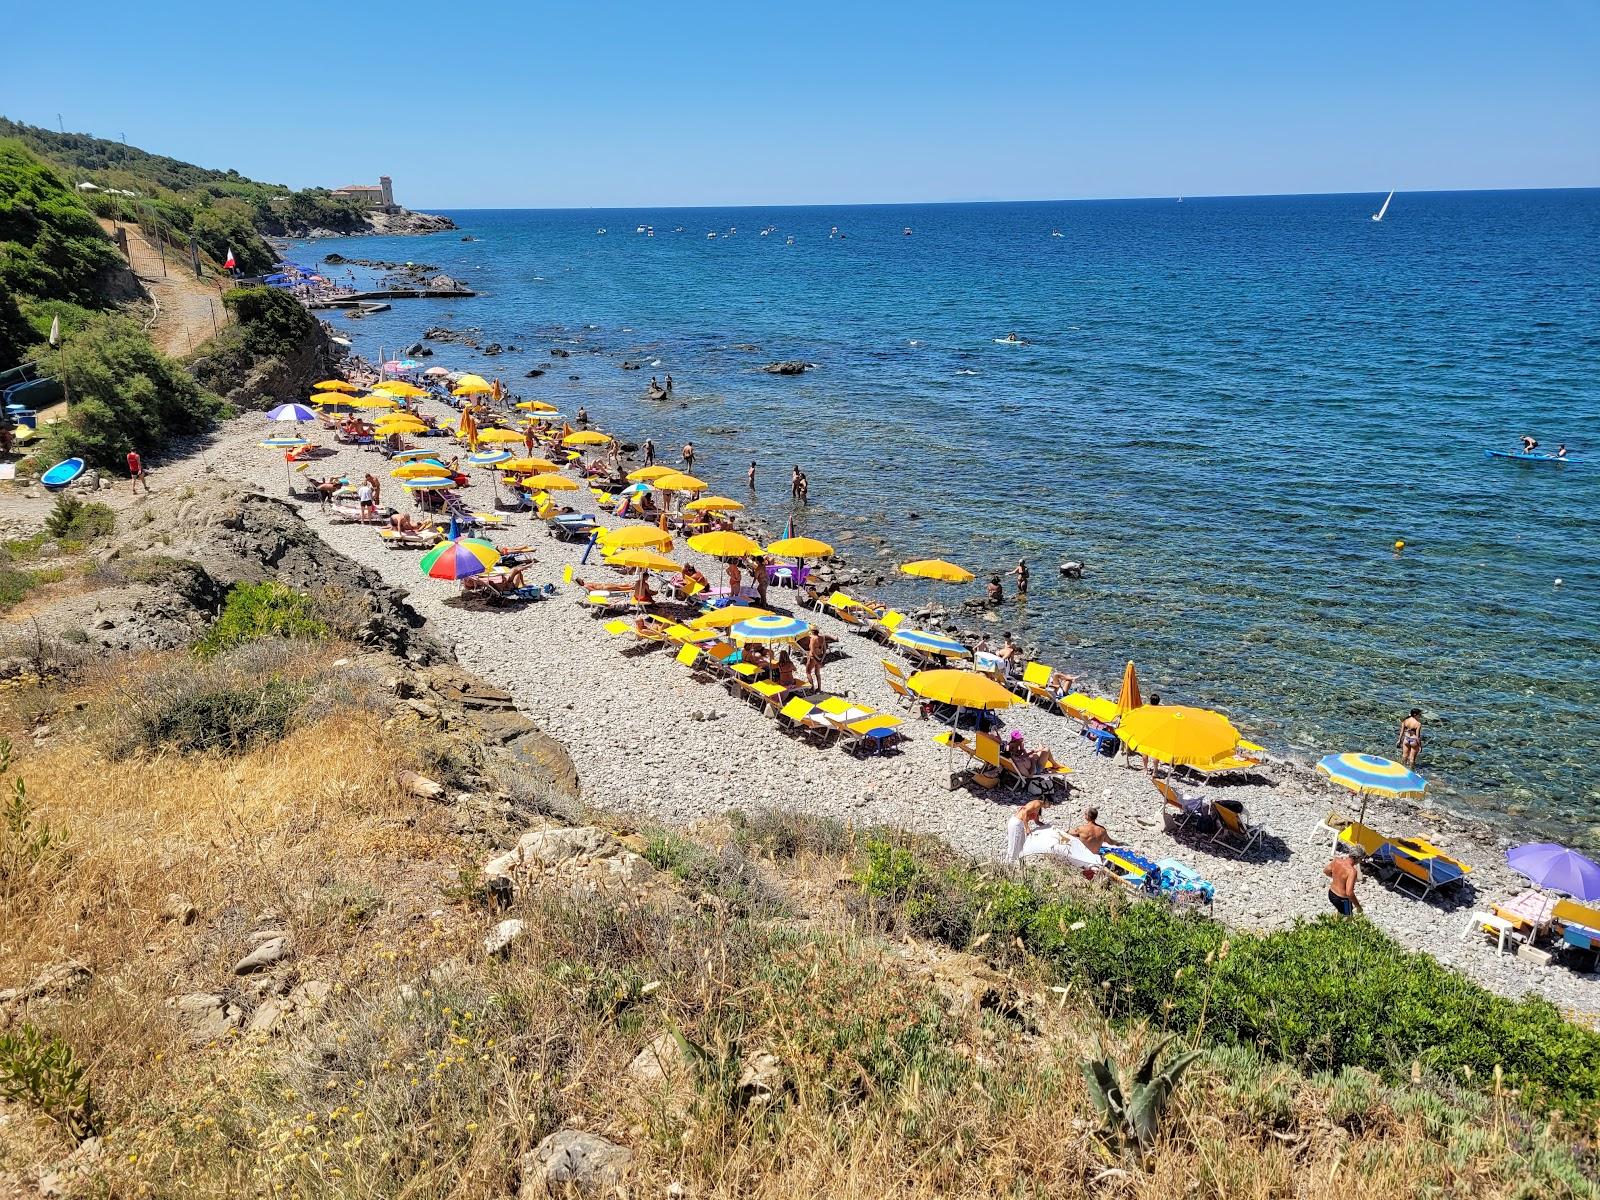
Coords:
1378,216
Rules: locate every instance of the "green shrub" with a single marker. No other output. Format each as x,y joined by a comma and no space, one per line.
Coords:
15,585
1323,995
727,873
124,395
254,611
41,1071
77,520
50,244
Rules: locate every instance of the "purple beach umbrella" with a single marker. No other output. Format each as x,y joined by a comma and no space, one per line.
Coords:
1557,868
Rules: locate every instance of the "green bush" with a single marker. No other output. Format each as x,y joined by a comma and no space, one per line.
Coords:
50,244
15,585
228,225
124,395
254,611
268,323
1323,995
41,1071
77,520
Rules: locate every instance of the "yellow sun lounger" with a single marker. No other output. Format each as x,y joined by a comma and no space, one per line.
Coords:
1413,862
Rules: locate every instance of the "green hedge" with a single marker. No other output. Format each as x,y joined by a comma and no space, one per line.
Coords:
1322,995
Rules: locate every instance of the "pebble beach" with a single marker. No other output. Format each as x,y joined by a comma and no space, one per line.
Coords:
647,738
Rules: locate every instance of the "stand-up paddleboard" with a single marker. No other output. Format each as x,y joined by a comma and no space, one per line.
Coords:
63,473
1519,456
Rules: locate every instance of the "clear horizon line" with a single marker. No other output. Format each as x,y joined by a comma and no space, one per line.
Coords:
1174,196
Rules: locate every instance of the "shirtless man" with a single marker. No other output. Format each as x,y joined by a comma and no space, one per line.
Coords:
688,455
1030,816
1091,833
1342,874
1410,739
1529,443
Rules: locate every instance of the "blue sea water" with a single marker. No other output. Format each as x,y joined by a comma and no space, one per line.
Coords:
1229,408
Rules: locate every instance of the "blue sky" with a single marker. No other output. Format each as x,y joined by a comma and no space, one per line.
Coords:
596,104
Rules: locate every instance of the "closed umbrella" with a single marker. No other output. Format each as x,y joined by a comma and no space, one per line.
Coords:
1128,697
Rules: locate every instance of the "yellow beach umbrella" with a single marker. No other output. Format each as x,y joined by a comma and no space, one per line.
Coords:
634,536
677,481
642,560
335,385
710,503
1178,734
418,470
472,389
528,466
732,615
724,543
1128,698
937,569
550,483
384,428
646,474
500,435
587,437
962,689
535,406
399,387
378,400
800,547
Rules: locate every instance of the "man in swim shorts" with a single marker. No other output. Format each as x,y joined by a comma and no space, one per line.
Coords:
1342,874
1091,833
1529,444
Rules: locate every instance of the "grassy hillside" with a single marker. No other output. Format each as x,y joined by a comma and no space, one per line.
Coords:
738,1011
51,250
220,209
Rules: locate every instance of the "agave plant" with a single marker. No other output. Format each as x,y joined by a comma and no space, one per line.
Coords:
1131,1112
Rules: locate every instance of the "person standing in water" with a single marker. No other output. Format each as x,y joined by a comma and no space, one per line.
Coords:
688,455
750,475
1410,739
669,382
1022,577
649,452
583,416
794,481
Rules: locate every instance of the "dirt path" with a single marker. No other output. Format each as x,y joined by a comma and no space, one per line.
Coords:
188,310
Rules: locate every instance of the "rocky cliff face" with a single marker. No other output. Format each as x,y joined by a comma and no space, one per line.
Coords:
275,379
403,222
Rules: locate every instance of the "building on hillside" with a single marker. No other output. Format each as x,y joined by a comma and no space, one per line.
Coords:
379,196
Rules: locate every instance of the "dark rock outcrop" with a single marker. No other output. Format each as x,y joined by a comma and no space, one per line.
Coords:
788,367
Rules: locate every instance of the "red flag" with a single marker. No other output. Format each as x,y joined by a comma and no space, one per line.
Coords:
230,264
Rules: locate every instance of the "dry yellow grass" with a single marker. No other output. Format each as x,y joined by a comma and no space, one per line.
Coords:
429,1070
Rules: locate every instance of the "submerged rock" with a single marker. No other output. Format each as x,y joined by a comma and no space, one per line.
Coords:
788,367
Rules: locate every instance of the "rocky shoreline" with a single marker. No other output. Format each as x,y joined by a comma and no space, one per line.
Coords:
646,737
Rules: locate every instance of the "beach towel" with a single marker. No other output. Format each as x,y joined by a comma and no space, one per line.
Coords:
1016,838
1057,843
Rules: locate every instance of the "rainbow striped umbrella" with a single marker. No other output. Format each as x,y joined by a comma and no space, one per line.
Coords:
773,628
291,412
929,643
459,558
1370,775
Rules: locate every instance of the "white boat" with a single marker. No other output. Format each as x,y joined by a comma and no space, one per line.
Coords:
712,235
639,229
1055,233
599,231
1378,216
906,232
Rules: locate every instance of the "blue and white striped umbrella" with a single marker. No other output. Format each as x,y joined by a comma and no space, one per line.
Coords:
291,412
415,456
929,643
488,458
284,443
773,628
428,483
1371,775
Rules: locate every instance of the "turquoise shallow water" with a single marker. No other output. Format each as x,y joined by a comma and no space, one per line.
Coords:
1230,409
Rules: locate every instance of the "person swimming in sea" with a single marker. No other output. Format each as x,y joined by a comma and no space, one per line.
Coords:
1561,450
1529,443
